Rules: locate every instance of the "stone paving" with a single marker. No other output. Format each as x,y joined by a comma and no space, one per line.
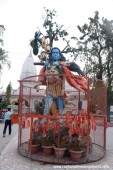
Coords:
8,138
11,160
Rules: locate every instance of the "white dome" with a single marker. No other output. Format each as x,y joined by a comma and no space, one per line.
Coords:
28,68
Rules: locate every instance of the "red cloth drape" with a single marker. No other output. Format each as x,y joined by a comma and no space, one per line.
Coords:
78,82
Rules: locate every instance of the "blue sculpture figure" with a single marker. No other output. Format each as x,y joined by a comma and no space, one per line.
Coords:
51,75
55,87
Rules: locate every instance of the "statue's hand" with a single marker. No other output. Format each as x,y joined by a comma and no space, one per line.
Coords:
56,63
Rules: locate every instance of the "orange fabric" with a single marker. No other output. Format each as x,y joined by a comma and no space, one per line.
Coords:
78,82
14,119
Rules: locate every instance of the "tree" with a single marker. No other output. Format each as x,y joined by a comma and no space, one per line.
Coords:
6,99
97,48
55,32
8,93
3,59
93,46
3,56
108,30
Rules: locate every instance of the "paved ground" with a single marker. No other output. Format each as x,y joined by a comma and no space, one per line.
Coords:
11,160
7,139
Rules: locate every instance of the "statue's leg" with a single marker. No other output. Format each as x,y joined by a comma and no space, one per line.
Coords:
48,104
60,105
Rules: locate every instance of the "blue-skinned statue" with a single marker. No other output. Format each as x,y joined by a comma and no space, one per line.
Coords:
55,83
51,76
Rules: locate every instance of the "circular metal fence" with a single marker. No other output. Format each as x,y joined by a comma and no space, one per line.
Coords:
81,126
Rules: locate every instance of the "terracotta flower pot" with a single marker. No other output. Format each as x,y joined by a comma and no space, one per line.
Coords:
34,149
76,155
48,150
59,152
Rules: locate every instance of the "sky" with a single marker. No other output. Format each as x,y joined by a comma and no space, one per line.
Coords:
22,18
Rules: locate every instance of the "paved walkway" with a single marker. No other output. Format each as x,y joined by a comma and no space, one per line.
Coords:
11,160
8,138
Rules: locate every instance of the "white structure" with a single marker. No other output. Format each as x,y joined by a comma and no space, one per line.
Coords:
29,69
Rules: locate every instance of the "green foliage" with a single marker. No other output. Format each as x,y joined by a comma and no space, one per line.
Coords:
3,55
53,30
62,143
92,43
75,146
97,43
8,93
34,142
6,99
49,139
39,107
3,104
97,50
61,138
4,59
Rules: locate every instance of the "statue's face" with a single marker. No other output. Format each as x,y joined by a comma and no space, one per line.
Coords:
55,54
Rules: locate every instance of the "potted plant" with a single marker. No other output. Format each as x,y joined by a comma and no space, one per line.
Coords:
83,144
34,143
47,142
34,147
39,108
60,144
61,139
75,150
60,148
